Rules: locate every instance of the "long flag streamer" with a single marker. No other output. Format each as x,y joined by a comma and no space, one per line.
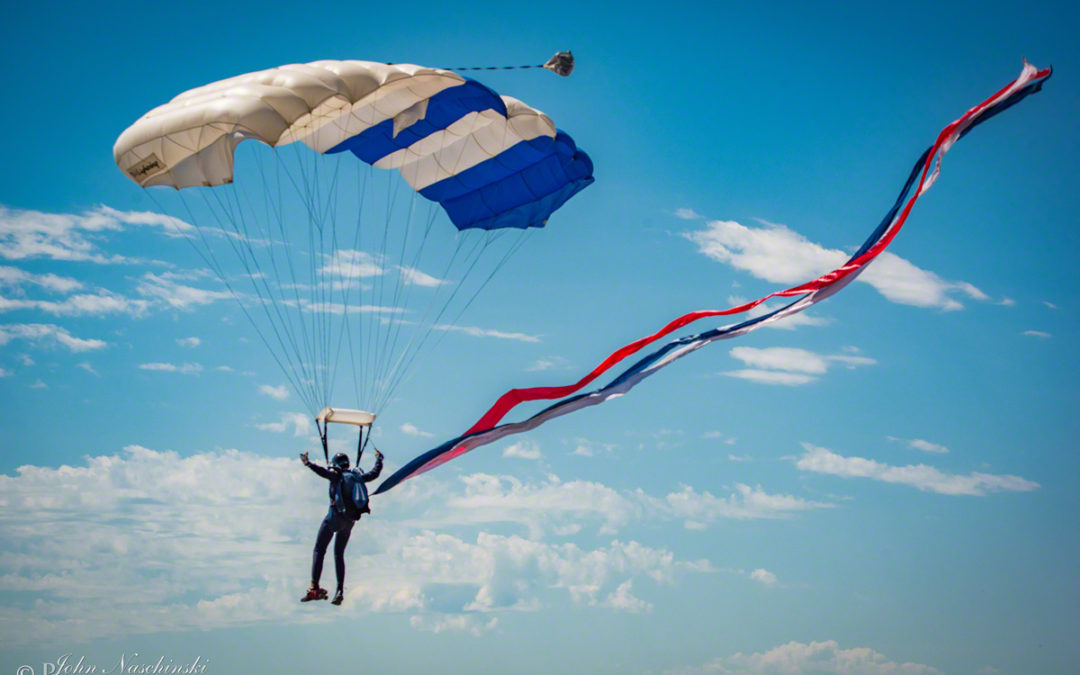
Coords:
922,176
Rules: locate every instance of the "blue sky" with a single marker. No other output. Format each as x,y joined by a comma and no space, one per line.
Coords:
886,485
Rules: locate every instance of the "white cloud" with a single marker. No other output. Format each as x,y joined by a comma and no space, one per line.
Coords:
280,392
183,369
920,476
1049,304
622,599
165,289
788,366
584,447
411,276
486,332
47,333
1038,334
352,264
474,624
299,422
523,450
765,578
410,429
927,446
687,214
85,365
429,553
83,304
782,358
13,277
189,342
744,503
38,384
4,372
771,377
549,363
777,254
821,658
67,236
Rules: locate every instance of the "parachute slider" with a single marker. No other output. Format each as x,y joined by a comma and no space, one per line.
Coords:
358,418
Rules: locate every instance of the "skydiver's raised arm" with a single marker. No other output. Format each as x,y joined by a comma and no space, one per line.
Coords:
325,473
376,470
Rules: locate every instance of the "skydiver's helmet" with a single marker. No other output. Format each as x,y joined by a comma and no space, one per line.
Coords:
341,461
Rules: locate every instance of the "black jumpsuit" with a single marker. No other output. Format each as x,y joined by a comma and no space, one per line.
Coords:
335,523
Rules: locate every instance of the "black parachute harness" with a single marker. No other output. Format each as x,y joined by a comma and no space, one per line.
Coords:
560,64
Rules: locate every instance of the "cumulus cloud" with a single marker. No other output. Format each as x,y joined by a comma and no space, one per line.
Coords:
523,450
698,509
411,276
687,214
28,234
183,369
167,290
765,578
189,342
583,447
99,303
920,476
486,332
298,422
196,570
549,363
780,255
353,264
42,333
410,429
280,392
16,278
789,366
822,658
920,444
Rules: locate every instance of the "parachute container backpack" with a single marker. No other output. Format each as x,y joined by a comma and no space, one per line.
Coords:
347,271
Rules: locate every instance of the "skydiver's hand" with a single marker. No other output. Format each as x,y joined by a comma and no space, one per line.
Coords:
304,458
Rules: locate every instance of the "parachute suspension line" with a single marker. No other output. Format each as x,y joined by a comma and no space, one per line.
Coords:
390,375
212,262
242,248
276,216
362,182
398,300
295,284
472,259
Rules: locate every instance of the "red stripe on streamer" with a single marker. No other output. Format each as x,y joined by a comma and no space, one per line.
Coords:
514,397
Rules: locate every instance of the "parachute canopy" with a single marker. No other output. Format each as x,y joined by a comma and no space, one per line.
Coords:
490,161
329,256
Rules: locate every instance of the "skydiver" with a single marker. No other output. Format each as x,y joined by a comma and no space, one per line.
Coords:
337,522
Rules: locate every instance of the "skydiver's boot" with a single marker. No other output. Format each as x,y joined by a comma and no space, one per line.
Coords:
339,596
314,593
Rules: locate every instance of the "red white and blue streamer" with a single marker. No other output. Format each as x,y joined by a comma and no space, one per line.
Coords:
488,430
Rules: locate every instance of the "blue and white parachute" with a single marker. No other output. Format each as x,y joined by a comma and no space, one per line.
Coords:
324,264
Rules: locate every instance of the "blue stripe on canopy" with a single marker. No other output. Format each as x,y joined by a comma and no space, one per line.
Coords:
518,188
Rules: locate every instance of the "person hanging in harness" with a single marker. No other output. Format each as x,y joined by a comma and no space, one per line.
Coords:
348,501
